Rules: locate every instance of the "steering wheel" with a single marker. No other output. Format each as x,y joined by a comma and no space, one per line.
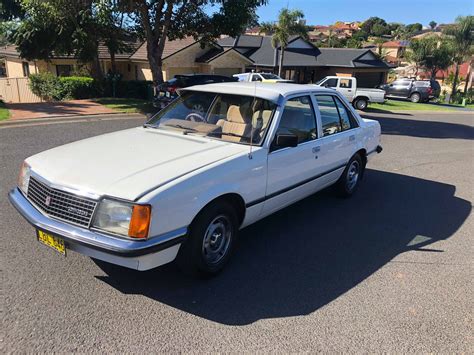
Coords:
194,117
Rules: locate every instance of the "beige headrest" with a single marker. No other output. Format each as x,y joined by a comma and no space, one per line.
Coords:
234,114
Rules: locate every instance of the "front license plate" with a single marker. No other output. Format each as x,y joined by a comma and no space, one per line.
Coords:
52,241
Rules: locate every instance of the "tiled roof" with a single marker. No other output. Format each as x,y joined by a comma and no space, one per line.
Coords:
171,47
11,51
301,57
396,44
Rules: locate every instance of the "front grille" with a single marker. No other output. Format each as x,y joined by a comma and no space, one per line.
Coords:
61,204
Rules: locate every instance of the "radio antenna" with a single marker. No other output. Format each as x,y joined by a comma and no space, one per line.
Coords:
251,120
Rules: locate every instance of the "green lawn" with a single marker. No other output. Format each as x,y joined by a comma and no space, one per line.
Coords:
4,113
396,105
127,105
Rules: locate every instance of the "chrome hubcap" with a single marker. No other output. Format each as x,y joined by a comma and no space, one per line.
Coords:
217,239
352,175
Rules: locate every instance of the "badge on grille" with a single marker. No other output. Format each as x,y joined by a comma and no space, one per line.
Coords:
47,201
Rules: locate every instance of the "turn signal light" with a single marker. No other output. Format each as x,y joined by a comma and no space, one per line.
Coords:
140,221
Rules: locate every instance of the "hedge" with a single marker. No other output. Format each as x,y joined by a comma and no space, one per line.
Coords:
52,88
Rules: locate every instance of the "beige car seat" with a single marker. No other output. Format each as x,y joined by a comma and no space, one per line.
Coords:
238,122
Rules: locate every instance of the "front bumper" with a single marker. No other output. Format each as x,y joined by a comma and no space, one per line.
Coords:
134,254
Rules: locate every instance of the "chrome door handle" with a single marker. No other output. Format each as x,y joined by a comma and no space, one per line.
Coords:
316,149
352,138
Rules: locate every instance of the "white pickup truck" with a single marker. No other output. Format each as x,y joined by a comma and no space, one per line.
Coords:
262,77
347,86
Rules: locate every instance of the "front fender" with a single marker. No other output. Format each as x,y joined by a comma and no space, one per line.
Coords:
175,205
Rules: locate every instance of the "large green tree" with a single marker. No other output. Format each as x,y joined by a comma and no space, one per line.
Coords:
162,20
419,51
64,27
461,35
288,24
439,56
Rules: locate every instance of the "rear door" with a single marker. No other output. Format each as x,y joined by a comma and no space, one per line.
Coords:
339,136
400,88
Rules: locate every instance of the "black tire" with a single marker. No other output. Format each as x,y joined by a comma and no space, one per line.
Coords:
415,97
346,186
216,224
361,104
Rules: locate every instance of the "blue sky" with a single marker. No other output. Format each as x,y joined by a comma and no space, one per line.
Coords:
324,12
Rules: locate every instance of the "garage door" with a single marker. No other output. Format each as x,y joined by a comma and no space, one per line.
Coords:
186,70
369,80
227,71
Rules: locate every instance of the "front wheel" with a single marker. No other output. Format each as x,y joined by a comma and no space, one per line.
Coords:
350,179
210,240
415,97
360,104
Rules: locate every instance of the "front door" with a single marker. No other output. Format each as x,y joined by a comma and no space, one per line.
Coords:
291,171
346,89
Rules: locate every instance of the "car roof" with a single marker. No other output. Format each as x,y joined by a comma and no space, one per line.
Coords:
274,92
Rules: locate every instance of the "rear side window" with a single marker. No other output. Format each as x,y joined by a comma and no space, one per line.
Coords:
335,117
329,115
345,83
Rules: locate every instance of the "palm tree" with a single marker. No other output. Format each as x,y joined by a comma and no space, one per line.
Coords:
288,25
461,35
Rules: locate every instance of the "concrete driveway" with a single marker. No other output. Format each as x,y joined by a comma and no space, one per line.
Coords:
55,109
389,270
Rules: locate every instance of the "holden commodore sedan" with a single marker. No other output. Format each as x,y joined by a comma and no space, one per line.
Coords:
217,159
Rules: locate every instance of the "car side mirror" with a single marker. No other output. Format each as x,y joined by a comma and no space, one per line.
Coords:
284,141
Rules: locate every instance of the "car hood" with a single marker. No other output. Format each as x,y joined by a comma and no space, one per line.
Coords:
127,163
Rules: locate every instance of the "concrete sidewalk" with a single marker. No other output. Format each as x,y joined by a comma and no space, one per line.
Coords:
56,109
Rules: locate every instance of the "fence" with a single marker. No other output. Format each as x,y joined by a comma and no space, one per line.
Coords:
16,90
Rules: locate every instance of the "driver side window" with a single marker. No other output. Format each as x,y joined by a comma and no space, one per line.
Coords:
298,119
256,77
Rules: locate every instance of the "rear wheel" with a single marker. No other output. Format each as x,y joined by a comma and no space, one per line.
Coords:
415,97
361,104
210,240
350,178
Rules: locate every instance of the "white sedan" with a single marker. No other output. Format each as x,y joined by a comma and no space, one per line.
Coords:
218,158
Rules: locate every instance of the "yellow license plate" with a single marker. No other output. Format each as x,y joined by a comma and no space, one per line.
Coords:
52,242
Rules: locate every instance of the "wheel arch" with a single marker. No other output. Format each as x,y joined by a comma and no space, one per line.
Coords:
361,97
234,199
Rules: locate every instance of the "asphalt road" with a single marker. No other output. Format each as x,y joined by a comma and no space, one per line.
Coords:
390,270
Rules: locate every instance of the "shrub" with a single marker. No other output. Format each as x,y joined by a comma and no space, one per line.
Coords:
53,88
45,85
77,87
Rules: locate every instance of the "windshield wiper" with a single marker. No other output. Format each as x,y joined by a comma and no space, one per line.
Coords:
149,125
226,134
189,129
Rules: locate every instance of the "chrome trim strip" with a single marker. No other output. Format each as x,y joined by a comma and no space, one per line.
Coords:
105,243
71,190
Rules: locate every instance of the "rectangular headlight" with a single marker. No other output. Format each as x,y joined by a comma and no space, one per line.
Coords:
123,218
24,177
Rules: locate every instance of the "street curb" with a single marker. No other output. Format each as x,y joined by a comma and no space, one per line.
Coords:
96,116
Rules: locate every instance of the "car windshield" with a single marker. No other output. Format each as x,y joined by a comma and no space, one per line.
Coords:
320,81
232,118
269,76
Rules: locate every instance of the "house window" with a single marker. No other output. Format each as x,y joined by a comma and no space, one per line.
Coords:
26,68
63,70
129,67
136,72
